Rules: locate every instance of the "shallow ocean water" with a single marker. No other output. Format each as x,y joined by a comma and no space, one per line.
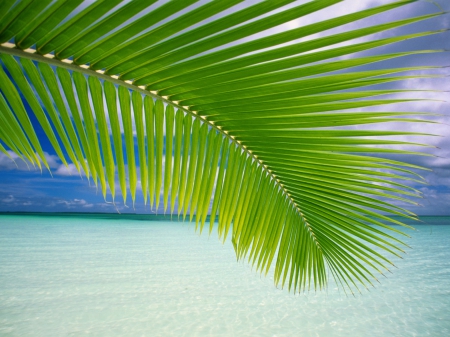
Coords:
93,276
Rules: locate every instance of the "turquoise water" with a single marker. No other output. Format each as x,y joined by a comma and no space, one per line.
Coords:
90,276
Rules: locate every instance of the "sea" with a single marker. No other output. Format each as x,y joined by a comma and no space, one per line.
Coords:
113,275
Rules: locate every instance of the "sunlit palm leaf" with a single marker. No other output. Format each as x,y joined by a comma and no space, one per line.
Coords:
241,132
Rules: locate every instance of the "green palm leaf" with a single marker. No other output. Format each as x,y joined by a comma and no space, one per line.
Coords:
241,129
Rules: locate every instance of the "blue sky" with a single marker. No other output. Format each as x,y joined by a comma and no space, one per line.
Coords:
24,189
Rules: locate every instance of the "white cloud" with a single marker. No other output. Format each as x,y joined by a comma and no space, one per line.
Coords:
7,164
52,160
16,163
69,170
71,203
9,199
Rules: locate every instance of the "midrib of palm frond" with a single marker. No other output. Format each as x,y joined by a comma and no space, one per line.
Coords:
9,48
172,79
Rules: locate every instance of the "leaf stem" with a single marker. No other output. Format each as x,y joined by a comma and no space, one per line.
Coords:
29,53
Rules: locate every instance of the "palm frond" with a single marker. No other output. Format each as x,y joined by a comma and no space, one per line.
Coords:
222,123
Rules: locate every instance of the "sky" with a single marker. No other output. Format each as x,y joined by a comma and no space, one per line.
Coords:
30,190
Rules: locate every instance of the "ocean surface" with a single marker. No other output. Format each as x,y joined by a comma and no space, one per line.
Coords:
128,276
